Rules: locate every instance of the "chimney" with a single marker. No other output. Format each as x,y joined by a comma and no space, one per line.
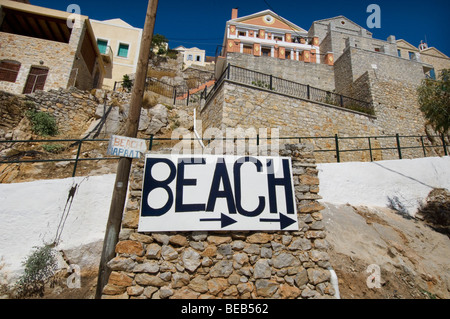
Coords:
234,13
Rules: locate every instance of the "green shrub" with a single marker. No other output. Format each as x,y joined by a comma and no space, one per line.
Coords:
42,123
40,266
53,148
127,84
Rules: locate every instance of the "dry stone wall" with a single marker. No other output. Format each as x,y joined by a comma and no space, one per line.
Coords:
202,265
73,109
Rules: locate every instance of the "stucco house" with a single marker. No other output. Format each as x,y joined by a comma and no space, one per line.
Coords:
192,55
119,43
41,50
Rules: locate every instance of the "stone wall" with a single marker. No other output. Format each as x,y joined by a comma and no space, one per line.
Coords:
396,111
226,264
317,75
73,109
251,107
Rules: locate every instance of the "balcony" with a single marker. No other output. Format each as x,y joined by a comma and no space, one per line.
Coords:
107,55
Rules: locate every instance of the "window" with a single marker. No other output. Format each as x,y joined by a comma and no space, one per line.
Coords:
102,45
198,58
247,49
399,53
36,79
9,71
123,50
377,49
242,33
190,57
411,55
266,52
432,74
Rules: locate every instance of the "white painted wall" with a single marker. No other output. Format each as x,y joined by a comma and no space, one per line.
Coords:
370,183
31,212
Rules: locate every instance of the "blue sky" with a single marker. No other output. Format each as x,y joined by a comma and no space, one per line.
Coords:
201,23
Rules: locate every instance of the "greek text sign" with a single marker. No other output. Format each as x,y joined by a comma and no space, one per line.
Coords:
126,146
217,192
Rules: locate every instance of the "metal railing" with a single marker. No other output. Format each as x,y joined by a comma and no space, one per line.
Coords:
372,148
180,94
279,85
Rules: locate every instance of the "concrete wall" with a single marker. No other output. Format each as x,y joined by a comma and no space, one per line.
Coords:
409,180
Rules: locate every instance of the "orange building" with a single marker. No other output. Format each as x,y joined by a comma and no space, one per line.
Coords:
267,34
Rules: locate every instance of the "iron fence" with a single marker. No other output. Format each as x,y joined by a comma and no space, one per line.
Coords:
279,85
178,94
336,147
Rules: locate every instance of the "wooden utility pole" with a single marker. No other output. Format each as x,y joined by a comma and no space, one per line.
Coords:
123,169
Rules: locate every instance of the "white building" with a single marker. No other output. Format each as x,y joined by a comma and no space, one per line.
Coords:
192,55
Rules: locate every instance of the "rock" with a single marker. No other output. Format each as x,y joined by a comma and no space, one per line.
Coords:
309,180
168,253
284,260
317,255
153,251
149,280
121,264
317,276
135,290
223,268
147,267
240,259
144,120
161,238
185,293
309,208
259,238
262,269
165,292
131,219
289,292
245,287
130,247
191,259
218,240
199,284
265,288
111,289
119,279
216,285
309,293
159,119
178,240
300,243
180,279
301,278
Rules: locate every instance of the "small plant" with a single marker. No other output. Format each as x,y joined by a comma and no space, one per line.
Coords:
40,266
42,123
127,84
262,84
53,148
436,211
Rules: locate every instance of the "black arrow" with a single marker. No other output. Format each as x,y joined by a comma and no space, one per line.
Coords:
284,221
224,220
